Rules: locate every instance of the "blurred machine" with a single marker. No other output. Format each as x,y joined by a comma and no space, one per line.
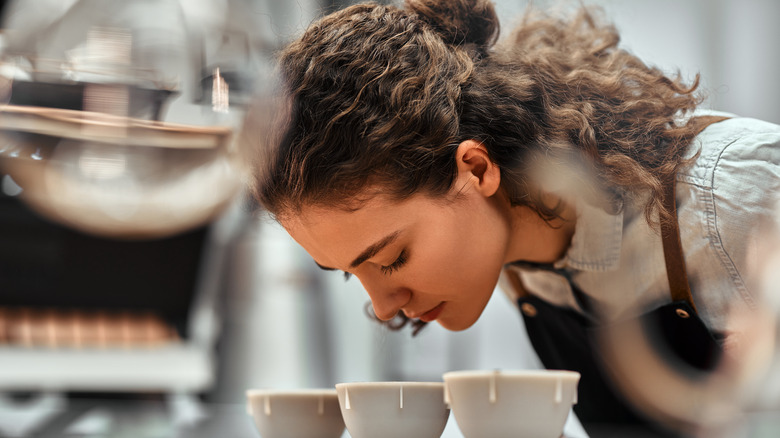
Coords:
118,188
85,313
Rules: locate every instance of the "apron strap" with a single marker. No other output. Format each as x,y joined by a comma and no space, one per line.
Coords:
673,254
670,232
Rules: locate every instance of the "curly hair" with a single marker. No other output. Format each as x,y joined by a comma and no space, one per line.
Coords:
380,96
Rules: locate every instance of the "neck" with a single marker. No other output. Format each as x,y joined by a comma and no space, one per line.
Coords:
533,239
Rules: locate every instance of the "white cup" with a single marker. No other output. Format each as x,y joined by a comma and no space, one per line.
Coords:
504,404
305,413
393,409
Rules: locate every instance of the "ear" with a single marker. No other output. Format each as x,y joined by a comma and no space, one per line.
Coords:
475,166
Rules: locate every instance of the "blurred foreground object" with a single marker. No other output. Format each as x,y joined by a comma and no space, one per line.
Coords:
84,135
745,381
135,178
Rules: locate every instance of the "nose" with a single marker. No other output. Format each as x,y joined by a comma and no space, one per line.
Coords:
386,299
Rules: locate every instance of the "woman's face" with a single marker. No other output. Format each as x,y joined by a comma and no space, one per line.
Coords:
431,259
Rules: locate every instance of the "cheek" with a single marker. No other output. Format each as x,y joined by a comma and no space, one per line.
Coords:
479,242
459,258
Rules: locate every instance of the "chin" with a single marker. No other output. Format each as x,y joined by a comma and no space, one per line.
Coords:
455,326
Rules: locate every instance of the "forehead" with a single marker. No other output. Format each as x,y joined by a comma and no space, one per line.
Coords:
334,236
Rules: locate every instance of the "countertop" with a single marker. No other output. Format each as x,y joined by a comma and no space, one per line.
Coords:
186,416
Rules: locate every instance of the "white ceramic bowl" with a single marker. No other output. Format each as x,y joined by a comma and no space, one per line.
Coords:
305,413
393,409
504,404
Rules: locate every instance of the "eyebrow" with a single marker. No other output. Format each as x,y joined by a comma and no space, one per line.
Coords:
368,252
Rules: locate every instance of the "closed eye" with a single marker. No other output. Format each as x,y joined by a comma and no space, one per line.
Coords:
400,261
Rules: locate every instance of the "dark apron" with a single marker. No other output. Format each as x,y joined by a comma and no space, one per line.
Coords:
567,339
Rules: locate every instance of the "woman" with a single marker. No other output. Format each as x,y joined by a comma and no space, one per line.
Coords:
421,156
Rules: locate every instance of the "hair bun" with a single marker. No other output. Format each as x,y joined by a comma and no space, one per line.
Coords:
460,22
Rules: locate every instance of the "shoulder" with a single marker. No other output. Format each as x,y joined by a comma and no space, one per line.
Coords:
736,169
739,163
731,149
730,189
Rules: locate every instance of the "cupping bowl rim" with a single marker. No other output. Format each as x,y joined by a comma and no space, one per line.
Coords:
301,392
384,384
480,374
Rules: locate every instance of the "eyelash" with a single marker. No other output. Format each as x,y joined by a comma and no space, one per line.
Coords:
387,270
400,261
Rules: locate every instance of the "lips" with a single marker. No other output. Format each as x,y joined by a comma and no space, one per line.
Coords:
432,314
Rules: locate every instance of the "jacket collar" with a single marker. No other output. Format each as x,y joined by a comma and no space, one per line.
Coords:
597,239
